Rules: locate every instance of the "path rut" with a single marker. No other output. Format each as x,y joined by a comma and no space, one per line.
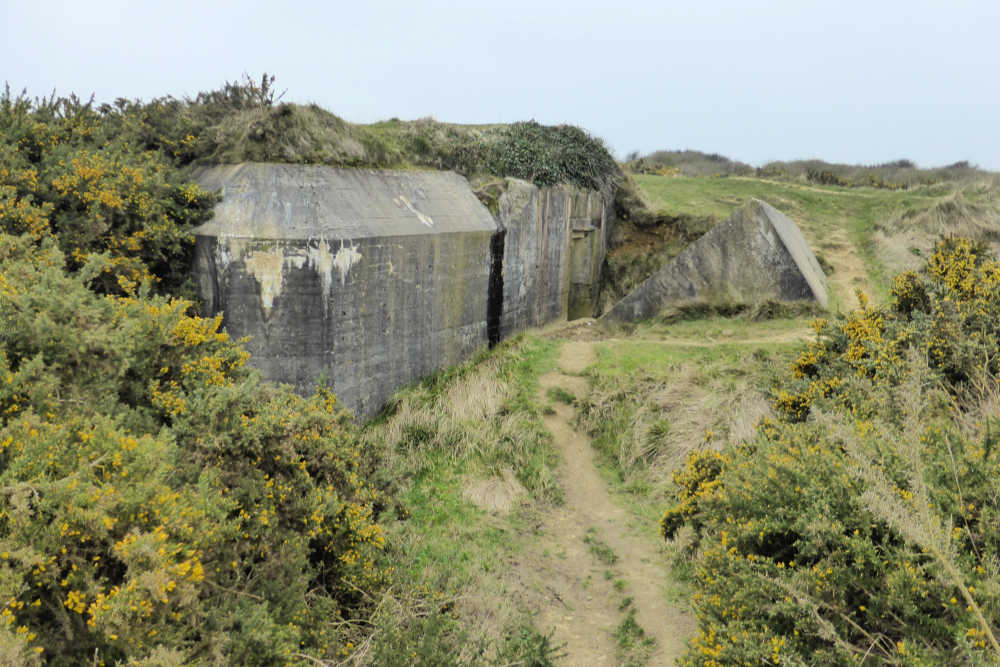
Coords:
580,604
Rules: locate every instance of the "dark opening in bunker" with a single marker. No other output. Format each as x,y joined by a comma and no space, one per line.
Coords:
494,297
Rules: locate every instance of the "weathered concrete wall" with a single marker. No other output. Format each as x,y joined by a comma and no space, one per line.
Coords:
554,244
370,280
403,308
759,253
365,280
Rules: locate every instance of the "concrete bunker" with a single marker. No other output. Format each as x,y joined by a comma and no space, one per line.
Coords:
364,280
368,280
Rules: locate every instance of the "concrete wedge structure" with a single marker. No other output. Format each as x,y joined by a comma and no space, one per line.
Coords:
758,253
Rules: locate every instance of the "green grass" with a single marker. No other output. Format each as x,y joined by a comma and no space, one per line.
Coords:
599,548
718,197
654,359
560,395
452,558
721,330
538,355
453,530
634,646
443,547
630,633
717,329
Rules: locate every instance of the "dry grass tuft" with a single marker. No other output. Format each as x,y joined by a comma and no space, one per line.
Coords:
476,416
466,419
495,494
905,241
672,417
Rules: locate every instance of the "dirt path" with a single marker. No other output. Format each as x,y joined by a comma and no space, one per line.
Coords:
591,558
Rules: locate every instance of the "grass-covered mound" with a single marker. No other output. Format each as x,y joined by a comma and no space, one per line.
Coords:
688,163
245,122
863,522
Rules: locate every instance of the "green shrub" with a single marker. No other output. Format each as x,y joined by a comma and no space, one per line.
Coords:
864,521
548,155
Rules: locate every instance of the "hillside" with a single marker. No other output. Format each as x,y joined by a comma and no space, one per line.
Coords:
862,235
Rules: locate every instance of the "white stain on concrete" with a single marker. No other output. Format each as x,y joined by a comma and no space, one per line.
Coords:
321,261
422,217
267,268
227,250
346,257
268,265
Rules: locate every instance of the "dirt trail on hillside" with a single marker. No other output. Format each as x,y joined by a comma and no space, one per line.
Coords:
850,274
810,188
578,600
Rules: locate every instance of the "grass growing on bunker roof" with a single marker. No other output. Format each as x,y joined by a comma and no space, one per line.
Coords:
248,121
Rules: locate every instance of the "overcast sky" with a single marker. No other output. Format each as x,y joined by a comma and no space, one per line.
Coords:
844,81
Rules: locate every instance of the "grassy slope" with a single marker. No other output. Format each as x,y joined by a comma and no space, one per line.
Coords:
475,422
668,388
656,391
659,390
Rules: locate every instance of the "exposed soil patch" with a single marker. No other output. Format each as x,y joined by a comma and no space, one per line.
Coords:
579,594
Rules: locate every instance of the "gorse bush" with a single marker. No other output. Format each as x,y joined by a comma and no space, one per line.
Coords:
67,172
863,524
159,503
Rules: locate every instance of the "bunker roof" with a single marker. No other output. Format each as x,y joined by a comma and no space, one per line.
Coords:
296,201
